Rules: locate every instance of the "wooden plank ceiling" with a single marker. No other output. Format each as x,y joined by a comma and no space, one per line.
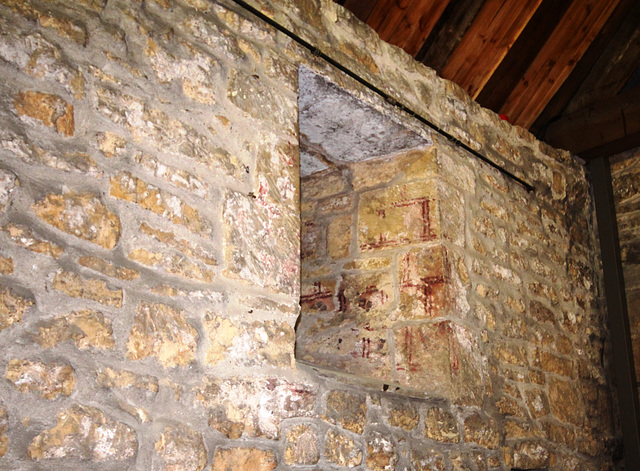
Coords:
567,70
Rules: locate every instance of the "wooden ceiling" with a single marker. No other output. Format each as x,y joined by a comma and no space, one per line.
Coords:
567,70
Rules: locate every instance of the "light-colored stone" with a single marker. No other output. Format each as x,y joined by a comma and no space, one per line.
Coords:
162,332
26,237
441,425
6,265
85,329
50,380
126,187
85,433
82,215
88,288
181,449
108,268
8,184
241,459
12,307
347,410
342,450
50,110
110,378
302,446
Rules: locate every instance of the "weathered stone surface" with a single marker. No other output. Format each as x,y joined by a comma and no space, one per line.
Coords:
126,187
261,245
249,343
111,144
169,239
82,215
347,409
565,402
339,237
181,449
441,425
537,402
12,307
397,216
162,332
110,378
259,405
440,358
529,455
423,284
4,426
50,380
173,264
25,237
8,184
177,177
427,460
302,446
108,268
240,459
218,420
51,110
381,453
342,450
86,433
88,288
481,430
6,265
85,328
403,415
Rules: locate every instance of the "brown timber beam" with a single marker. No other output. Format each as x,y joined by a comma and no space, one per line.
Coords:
601,128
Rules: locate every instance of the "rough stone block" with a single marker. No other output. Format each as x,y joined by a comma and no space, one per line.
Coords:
398,216
347,410
50,380
441,425
126,187
8,184
108,268
339,237
261,246
172,263
6,265
249,343
240,459
85,328
110,378
26,237
481,430
342,450
441,359
181,449
257,407
381,452
50,110
565,402
423,279
302,446
402,414
82,215
12,307
162,332
85,433
78,287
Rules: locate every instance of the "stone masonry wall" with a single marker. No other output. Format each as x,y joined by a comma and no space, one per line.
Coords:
625,174
149,255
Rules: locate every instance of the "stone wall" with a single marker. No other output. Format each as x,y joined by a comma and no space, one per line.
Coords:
149,255
625,174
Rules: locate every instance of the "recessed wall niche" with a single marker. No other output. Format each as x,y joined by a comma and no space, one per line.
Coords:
377,298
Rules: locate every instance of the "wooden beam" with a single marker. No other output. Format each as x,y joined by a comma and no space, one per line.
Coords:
406,23
599,128
614,66
361,8
486,42
559,55
448,32
522,53
557,104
